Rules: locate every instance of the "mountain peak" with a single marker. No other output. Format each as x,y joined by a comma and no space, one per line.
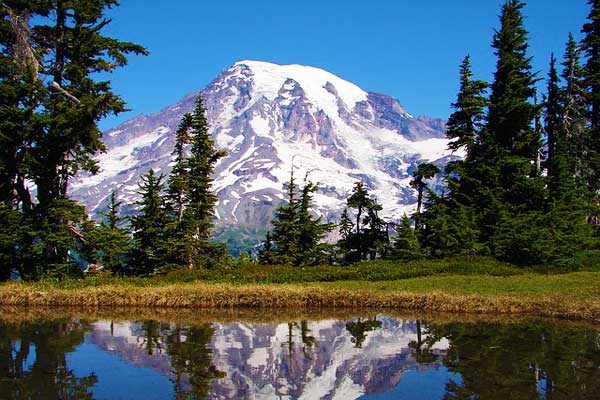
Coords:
271,118
269,78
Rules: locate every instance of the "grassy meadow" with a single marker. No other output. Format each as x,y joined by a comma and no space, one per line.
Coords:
467,285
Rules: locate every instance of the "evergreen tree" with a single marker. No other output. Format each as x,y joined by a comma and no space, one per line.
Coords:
108,244
179,178
346,225
510,111
311,231
375,236
406,244
590,46
554,123
149,227
422,172
51,104
192,186
360,200
266,252
297,234
285,225
575,111
469,111
370,237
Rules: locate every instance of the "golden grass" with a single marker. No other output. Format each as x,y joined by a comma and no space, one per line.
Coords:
549,304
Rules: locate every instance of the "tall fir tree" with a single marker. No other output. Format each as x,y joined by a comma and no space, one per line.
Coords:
360,200
510,110
285,224
311,230
149,226
590,46
553,125
575,110
468,117
178,182
190,190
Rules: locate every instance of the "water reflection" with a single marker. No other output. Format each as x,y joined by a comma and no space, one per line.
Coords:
366,357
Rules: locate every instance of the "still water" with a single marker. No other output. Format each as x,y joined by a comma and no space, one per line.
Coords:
352,355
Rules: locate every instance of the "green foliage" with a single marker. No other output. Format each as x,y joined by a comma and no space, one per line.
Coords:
51,101
369,238
108,244
359,329
469,111
297,237
150,227
406,244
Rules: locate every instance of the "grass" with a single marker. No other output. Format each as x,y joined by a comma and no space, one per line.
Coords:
572,296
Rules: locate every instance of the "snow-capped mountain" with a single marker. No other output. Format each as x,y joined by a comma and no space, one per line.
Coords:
283,361
269,117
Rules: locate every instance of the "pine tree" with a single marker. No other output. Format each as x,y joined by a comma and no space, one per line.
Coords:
52,101
346,225
375,236
266,252
149,227
360,200
200,198
575,110
179,178
191,198
406,244
590,46
553,124
285,225
422,172
510,111
108,244
311,230
469,111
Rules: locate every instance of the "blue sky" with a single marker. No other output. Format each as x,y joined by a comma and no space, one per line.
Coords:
409,49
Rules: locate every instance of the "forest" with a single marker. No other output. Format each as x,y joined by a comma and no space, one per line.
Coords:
526,194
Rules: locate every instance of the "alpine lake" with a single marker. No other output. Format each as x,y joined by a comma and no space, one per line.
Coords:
291,354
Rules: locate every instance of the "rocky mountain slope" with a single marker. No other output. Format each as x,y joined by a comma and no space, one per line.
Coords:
269,118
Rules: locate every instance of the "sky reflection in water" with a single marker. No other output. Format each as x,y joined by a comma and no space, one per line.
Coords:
371,357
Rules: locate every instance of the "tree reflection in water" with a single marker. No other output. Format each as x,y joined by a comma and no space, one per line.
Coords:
521,361
33,361
532,360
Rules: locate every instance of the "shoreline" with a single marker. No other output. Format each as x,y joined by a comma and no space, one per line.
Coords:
201,295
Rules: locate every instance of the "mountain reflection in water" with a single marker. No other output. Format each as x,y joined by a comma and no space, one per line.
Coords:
371,357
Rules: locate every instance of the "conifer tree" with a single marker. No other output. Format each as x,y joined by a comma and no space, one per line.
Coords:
590,46
149,227
469,111
422,172
575,110
360,200
52,101
108,244
190,192
510,110
553,124
179,177
406,244
285,225
266,253
346,225
311,230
